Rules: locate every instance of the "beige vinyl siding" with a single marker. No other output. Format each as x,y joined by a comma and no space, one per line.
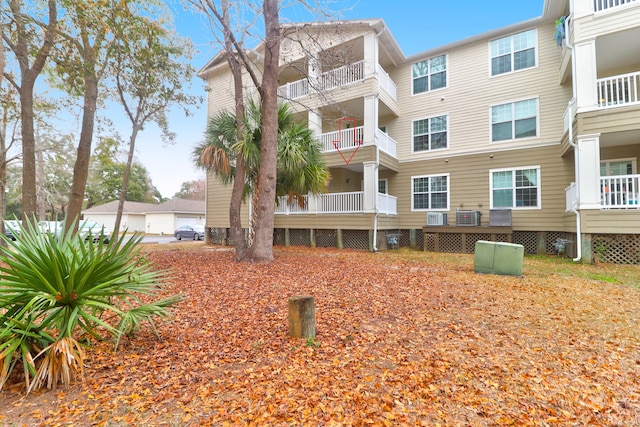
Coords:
217,210
609,120
610,221
470,93
612,21
469,186
327,221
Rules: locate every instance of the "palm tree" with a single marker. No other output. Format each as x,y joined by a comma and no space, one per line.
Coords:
301,168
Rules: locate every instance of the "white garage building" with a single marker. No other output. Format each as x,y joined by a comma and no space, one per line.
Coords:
149,218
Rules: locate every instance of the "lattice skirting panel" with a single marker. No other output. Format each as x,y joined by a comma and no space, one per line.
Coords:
279,236
326,238
355,239
218,235
616,248
528,239
298,237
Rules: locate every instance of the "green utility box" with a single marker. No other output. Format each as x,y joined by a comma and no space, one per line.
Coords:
498,258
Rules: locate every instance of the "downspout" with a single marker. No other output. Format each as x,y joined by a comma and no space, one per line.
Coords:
375,216
576,158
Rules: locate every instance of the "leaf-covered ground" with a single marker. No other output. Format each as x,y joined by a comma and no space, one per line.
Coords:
404,338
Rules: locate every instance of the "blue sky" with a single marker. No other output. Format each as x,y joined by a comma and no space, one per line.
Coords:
417,25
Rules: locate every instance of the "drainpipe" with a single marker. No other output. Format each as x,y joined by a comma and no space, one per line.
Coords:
375,216
576,158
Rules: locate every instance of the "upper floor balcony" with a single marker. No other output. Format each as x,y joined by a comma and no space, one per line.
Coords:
623,89
601,5
337,78
349,139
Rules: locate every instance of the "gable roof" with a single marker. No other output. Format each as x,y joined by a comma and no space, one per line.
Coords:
172,205
112,207
179,205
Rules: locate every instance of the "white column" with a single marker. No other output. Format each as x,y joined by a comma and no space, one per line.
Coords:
586,75
314,70
370,119
370,186
314,123
589,171
370,55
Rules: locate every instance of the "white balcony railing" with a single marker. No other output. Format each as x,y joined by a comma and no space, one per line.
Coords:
620,192
569,113
385,82
294,90
342,76
571,196
600,5
329,80
347,139
386,143
344,139
351,202
618,90
387,204
336,203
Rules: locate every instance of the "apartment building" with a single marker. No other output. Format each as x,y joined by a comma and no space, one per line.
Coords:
529,134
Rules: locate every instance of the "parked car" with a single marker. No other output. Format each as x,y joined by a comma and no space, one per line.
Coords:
11,228
195,232
94,230
53,227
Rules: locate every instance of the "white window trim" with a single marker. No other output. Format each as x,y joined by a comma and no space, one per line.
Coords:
446,55
429,118
491,141
513,169
448,192
537,49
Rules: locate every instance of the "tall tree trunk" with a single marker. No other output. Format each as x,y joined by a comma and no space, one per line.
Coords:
262,248
81,167
125,180
29,189
40,181
237,192
28,75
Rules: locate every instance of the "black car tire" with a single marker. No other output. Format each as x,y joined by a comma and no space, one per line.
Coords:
178,236
196,236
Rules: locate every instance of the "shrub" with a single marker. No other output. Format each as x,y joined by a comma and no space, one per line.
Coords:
56,288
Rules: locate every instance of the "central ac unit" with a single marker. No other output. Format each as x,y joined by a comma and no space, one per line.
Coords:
436,218
469,218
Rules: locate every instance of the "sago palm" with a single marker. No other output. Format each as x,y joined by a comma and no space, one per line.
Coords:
54,289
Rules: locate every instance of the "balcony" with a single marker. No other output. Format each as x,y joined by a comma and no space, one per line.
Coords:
620,192
601,5
336,78
336,203
618,90
347,139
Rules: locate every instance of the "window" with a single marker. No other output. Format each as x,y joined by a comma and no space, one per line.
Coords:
513,53
430,134
430,192
514,120
617,167
516,188
383,185
430,74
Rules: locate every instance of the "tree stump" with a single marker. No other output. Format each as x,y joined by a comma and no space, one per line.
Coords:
302,317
